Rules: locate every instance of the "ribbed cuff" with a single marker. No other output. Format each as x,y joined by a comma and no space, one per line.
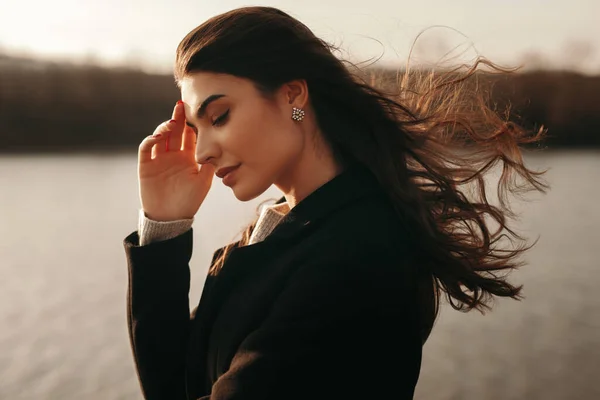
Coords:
150,231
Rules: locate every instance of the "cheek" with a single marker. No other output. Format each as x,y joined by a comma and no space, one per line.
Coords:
274,147
262,139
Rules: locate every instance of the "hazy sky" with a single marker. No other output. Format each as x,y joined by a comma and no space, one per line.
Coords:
565,33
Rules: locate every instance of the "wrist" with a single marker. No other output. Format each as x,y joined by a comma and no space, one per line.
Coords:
150,230
165,218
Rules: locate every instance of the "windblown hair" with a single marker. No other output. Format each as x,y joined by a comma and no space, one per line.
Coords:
429,138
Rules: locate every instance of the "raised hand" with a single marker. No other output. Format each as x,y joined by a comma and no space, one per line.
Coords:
172,185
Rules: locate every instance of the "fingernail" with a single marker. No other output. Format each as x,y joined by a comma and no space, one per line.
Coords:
172,121
157,135
179,102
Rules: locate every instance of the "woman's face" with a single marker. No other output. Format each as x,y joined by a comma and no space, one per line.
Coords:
242,128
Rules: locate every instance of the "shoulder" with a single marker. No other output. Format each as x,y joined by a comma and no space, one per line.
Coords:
368,229
362,249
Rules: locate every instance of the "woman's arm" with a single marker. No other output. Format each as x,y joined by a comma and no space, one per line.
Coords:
158,312
347,330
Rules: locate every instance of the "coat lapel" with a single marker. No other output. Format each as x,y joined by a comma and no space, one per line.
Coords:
352,184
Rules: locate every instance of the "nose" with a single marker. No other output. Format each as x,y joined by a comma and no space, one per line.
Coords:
206,149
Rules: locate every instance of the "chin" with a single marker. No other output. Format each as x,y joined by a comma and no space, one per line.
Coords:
244,192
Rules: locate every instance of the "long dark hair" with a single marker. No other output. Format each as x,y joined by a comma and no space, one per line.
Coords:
425,137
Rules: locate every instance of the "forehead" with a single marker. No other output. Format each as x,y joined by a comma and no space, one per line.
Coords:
199,85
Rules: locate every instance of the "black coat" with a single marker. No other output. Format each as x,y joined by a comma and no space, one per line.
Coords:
324,308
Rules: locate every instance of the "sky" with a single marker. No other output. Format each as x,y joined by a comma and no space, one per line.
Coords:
546,33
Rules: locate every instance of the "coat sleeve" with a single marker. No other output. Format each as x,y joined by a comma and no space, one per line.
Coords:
339,330
158,313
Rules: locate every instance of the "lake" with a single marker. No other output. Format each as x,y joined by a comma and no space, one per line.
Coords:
64,280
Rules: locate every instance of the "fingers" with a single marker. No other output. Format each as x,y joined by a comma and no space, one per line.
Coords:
145,150
189,138
164,130
168,136
176,127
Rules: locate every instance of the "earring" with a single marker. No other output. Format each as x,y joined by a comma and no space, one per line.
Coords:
297,114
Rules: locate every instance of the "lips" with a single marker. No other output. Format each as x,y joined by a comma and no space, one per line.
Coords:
224,171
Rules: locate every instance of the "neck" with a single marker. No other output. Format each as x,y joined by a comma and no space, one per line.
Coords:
307,175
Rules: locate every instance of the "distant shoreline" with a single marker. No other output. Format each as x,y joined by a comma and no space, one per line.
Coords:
55,108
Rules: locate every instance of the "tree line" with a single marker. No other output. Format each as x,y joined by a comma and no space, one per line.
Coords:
48,107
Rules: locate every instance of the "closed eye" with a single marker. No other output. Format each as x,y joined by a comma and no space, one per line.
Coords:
217,122
221,120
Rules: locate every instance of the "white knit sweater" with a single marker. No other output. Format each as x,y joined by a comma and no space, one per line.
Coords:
153,231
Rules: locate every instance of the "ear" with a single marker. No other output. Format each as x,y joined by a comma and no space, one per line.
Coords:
295,93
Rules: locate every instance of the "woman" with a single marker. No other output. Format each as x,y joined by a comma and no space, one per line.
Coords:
332,292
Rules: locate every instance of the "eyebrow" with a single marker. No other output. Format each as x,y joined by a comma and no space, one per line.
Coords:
202,109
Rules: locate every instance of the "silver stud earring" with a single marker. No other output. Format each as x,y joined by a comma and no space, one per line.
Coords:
297,114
